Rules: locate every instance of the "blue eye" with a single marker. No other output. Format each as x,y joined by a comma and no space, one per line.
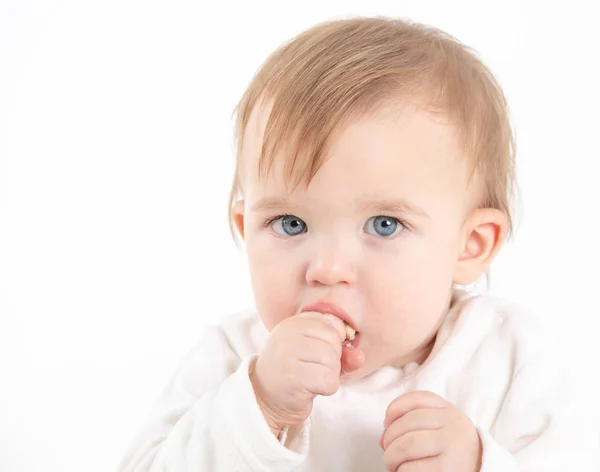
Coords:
384,226
288,225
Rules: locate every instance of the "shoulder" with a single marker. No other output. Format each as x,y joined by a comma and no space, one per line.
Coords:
219,351
242,332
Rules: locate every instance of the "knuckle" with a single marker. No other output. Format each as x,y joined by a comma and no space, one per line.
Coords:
406,467
291,387
445,465
392,407
393,412
390,461
285,326
395,455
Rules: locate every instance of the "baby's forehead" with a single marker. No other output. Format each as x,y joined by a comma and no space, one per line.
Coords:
394,146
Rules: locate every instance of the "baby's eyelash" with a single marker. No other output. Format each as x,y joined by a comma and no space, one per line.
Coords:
269,221
400,221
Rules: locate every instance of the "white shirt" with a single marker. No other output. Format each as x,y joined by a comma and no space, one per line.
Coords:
489,359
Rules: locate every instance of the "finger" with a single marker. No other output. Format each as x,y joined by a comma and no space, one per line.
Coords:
421,465
411,401
410,447
323,333
338,325
352,359
328,320
315,325
318,379
319,351
415,420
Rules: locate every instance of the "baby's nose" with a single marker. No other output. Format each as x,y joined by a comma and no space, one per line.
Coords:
330,265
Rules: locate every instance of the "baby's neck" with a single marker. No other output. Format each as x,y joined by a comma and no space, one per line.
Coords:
419,356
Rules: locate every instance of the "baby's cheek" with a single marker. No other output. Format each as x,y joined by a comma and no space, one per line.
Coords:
402,316
271,303
270,315
274,293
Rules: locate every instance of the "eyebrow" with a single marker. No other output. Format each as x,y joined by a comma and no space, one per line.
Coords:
270,203
393,206
377,206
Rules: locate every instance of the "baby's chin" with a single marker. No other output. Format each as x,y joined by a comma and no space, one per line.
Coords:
361,373
392,368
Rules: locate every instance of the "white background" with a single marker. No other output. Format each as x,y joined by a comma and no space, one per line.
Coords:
115,164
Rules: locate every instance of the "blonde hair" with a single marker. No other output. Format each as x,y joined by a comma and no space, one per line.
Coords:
344,69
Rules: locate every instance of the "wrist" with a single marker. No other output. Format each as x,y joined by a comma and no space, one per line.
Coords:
264,408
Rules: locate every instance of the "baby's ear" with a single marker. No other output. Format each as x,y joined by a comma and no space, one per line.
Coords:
237,213
485,232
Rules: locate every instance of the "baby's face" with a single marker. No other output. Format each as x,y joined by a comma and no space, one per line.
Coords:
378,232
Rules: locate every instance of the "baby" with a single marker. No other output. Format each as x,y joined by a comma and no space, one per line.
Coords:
374,173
